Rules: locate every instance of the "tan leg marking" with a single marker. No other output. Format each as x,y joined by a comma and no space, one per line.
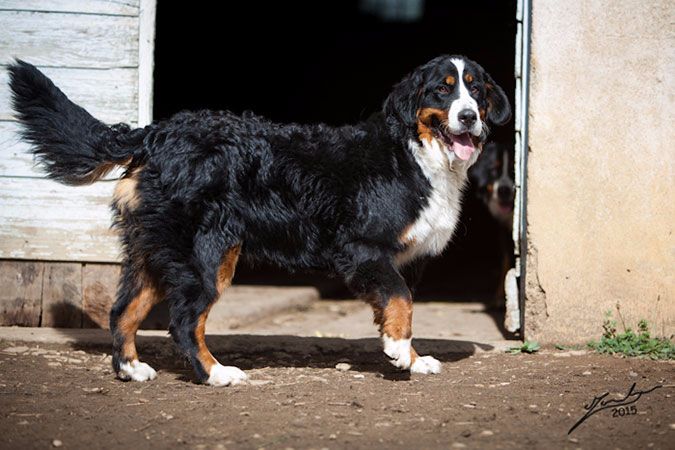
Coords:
395,321
397,318
205,357
226,269
395,324
131,319
223,280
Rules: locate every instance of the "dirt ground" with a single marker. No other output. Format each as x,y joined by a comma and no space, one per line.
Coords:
65,395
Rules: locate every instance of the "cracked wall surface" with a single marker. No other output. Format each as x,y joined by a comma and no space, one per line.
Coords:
601,186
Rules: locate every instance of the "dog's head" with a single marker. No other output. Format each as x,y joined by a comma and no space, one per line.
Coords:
450,100
492,181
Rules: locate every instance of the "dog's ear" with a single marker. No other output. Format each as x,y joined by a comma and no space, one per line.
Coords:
403,102
499,110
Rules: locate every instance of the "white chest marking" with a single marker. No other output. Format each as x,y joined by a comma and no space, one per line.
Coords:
436,223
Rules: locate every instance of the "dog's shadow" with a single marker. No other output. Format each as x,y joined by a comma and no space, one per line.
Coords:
283,351
364,354
248,351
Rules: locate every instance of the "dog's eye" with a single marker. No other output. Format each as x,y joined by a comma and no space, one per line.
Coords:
442,89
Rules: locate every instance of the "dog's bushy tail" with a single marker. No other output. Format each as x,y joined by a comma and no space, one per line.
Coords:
74,147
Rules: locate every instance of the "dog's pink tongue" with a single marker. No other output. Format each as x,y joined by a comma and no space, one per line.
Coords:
462,146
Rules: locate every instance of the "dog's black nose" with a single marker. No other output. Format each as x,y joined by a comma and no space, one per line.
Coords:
467,117
504,193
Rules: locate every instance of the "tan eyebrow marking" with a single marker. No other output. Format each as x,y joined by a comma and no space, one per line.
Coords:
450,80
468,78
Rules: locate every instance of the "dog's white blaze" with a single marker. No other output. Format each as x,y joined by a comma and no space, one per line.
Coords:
398,350
137,371
464,101
226,376
434,227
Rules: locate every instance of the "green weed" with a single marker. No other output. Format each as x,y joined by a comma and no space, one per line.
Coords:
527,347
631,343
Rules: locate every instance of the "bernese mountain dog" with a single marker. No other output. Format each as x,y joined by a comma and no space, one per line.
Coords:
365,202
492,179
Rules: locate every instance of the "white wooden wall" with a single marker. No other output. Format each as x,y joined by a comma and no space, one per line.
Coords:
100,53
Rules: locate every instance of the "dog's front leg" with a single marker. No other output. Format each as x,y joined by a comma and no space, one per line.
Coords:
380,284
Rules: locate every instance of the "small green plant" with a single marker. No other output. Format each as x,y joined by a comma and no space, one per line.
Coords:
631,343
527,347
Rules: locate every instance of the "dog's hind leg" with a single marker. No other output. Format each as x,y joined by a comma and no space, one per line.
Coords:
190,305
135,298
380,284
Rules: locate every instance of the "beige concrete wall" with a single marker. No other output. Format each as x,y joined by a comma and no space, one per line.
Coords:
601,190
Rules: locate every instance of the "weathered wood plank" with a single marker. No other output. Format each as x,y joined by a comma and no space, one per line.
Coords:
99,282
62,295
126,7
110,95
146,60
14,157
17,161
21,292
41,219
69,40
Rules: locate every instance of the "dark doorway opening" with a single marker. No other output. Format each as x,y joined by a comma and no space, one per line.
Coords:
335,62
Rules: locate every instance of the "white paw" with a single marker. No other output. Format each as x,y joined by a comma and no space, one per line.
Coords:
137,371
426,365
226,376
398,350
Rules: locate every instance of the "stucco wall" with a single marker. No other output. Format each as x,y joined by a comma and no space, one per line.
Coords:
601,190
